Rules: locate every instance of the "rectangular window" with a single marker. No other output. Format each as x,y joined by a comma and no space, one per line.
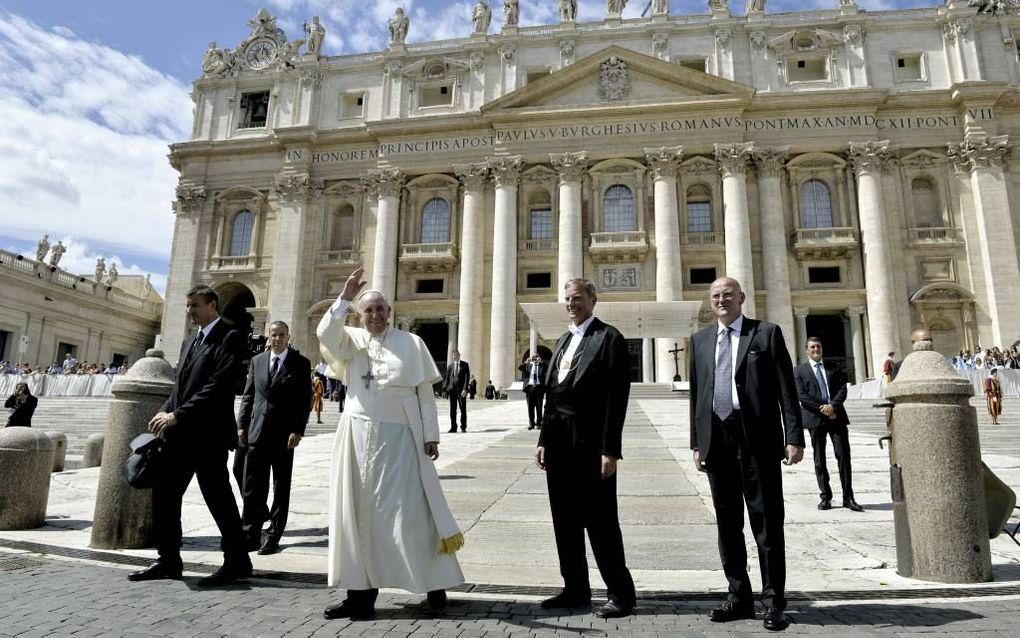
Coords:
699,217
541,224
702,275
807,70
254,110
428,286
909,67
439,95
64,349
823,275
534,75
538,280
695,64
353,105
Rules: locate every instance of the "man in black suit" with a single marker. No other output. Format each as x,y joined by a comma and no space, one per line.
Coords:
458,374
274,413
534,388
822,392
197,422
579,446
744,421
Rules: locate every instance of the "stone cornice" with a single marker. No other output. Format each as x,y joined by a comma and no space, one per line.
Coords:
664,161
733,158
506,171
472,176
387,182
869,157
979,151
571,167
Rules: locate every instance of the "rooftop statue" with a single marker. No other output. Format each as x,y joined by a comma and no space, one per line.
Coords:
398,27
42,248
314,34
57,252
510,13
481,16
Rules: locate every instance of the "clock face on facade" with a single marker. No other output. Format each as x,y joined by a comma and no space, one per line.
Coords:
260,53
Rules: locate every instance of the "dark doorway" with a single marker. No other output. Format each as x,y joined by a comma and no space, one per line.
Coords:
634,352
235,299
829,328
437,337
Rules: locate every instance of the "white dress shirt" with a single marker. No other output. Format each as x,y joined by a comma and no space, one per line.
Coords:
734,345
208,328
273,357
576,334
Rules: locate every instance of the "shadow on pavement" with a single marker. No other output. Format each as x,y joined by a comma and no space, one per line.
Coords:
881,615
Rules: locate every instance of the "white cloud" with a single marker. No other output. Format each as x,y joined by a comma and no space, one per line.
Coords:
83,141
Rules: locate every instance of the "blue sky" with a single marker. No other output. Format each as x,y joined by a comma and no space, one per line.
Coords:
91,93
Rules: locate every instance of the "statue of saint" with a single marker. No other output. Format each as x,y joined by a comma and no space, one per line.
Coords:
660,7
314,34
112,276
568,10
510,13
398,27
718,6
755,6
481,16
42,248
57,252
100,269
615,7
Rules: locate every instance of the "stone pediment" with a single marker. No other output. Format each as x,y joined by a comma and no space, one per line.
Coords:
618,77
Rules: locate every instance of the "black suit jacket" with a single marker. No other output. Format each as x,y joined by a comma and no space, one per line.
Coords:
203,395
459,382
811,396
543,372
765,389
23,411
598,389
273,409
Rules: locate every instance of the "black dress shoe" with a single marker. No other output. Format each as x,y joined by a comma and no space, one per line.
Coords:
852,505
531,427
271,546
435,601
614,609
774,620
728,612
226,575
463,429
347,609
157,571
567,600
452,431
825,504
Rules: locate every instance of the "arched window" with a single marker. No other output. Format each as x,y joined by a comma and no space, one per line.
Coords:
699,210
618,204
815,205
343,229
927,211
240,233
435,221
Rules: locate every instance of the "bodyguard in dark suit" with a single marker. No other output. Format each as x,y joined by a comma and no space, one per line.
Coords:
197,421
274,413
458,374
579,446
534,371
822,392
744,421
22,406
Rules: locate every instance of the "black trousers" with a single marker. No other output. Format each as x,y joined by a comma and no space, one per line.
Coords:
738,477
456,400
581,500
841,448
186,459
536,397
261,458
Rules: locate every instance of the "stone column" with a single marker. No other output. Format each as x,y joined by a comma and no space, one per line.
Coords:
664,162
405,323
472,246
387,184
532,339
868,160
506,172
733,159
856,313
191,201
286,297
775,259
647,363
451,343
802,335
571,168
984,158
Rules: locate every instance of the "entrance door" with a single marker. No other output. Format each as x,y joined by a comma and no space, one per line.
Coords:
634,347
436,337
829,328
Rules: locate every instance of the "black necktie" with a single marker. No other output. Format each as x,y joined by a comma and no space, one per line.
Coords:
194,347
274,368
821,382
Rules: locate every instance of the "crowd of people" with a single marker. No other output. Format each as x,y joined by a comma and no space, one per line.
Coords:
70,365
1007,357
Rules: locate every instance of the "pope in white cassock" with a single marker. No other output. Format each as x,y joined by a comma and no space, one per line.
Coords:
390,525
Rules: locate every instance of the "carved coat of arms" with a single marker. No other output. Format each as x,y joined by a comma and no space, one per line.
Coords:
614,80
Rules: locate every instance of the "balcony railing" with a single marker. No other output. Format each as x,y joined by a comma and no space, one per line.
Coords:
933,235
236,261
340,257
429,257
702,239
536,245
618,246
824,242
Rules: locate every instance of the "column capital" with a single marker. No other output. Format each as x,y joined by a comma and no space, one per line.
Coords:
386,182
571,167
506,171
979,151
296,187
472,176
190,198
405,323
664,161
452,320
770,162
733,158
855,311
801,313
869,157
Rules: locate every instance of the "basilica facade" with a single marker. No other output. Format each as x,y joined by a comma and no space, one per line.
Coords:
852,170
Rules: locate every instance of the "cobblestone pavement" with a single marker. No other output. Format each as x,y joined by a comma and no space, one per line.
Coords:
42,597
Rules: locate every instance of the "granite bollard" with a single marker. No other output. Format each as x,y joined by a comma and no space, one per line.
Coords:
936,447
93,456
60,450
123,514
26,462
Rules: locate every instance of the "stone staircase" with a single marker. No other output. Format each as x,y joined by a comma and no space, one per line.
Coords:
654,391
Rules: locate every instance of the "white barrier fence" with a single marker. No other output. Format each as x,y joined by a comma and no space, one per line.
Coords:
59,385
1008,379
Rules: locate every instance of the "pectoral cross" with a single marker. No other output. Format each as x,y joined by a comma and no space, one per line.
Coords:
368,377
